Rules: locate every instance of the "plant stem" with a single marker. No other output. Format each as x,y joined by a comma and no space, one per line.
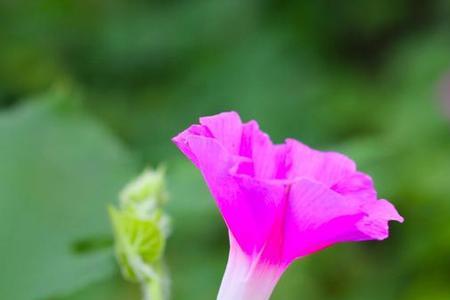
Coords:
152,290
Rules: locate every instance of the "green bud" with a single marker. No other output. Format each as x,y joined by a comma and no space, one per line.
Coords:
148,188
139,244
141,228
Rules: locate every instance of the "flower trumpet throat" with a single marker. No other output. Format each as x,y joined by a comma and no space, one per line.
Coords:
279,202
248,276
141,229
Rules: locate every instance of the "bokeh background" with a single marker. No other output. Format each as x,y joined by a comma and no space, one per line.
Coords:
92,91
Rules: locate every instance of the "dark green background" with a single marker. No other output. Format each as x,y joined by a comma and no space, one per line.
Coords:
92,91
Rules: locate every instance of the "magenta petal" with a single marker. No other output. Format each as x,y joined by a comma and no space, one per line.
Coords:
374,226
226,128
247,205
311,212
325,167
356,185
267,159
317,217
181,140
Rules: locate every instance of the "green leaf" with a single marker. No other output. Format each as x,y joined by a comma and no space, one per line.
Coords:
59,171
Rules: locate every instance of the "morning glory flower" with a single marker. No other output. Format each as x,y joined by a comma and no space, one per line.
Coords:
279,202
140,229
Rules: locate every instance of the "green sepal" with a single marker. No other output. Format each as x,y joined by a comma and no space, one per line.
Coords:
149,187
139,244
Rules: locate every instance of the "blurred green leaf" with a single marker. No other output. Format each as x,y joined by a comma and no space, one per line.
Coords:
59,170
110,288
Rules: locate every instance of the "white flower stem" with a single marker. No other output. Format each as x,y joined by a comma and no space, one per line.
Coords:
152,291
247,277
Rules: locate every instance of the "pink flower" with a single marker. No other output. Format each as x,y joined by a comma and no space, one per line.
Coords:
280,202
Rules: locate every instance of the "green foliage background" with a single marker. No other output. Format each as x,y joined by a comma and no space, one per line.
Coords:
92,91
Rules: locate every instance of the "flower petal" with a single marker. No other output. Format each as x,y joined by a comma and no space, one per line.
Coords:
181,140
226,128
317,217
356,185
311,209
248,206
267,159
374,226
325,167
